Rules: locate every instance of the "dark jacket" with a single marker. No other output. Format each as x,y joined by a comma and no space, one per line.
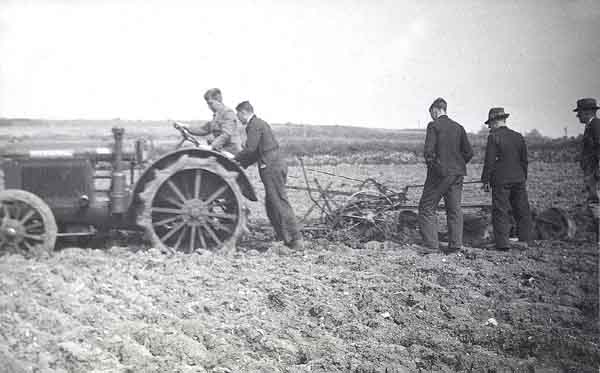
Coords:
261,145
590,152
505,157
447,148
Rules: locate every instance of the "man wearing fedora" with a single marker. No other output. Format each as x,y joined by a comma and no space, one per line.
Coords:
505,169
447,151
590,154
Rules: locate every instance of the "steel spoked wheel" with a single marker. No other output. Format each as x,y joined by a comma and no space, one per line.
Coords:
193,204
27,225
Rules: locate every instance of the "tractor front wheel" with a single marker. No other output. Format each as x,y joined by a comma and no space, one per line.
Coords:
27,225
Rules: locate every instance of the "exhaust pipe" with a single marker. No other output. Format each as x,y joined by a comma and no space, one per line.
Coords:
119,193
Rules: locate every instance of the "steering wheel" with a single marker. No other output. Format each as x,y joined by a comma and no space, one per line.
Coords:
186,135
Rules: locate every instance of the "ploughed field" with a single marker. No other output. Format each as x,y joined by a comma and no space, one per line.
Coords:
330,308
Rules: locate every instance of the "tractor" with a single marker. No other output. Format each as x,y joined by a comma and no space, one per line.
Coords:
188,199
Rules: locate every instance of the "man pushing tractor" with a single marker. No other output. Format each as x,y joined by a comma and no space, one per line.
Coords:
263,149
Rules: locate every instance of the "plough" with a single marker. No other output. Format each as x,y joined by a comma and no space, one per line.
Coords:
374,211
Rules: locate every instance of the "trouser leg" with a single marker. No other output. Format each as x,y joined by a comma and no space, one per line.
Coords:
500,215
521,211
454,216
427,217
591,185
270,207
273,216
279,209
434,189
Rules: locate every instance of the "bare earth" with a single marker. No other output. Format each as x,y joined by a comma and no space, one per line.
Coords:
327,309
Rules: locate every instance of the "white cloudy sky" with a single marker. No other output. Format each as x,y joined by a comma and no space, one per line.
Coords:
374,63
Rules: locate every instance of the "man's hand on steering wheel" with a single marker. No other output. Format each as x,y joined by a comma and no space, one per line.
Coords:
185,133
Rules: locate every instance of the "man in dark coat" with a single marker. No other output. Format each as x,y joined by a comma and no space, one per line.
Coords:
262,148
447,151
505,169
590,153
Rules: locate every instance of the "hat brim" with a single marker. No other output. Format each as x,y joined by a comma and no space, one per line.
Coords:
586,108
503,116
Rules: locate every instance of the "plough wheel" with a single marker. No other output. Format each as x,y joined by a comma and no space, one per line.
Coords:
193,204
554,224
27,225
363,216
477,228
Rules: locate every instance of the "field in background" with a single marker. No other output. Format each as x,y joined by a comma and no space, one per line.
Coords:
319,144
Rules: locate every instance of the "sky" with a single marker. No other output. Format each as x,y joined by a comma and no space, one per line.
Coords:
371,63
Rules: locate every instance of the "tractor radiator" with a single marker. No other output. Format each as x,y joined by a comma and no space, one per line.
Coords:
60,182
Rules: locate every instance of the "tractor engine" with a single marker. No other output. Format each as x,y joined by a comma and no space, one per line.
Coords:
76,184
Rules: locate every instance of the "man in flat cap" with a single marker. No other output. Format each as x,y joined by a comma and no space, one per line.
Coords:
447,151
590,154
505,169
262,148
222,130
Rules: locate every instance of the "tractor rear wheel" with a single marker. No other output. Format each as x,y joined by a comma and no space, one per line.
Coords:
195,203
27,225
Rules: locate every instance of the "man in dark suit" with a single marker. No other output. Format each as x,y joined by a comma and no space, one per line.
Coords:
262,148
590,154
447,151
505,169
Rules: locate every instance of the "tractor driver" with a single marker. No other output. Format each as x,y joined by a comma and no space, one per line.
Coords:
222,131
